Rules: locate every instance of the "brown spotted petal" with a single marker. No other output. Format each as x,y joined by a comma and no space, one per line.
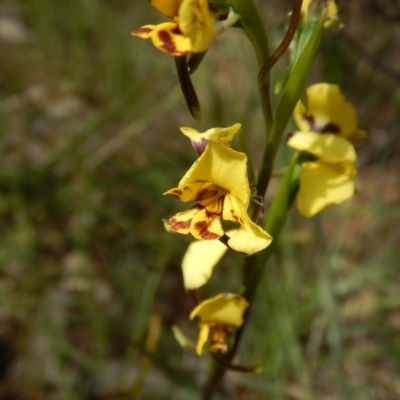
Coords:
144,32
224,167
191,191
166,37
206,225
181,222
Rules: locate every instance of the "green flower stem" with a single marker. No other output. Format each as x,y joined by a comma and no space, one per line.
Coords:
255,265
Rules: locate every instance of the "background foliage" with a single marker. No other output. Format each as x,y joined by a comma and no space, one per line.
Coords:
90,282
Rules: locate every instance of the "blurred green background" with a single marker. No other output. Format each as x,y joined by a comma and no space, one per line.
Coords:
90,281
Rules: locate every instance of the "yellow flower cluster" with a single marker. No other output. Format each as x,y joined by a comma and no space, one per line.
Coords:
325,127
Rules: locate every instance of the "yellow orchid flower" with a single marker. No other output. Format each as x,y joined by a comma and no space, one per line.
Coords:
327,112
331,15
200,140
219,317
196,268
325,127
218,181
330,178
193,28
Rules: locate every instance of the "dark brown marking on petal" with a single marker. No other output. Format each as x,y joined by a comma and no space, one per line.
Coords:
206,194
200,146
168,44
310,119
142,30
314,127
202,227
234,216
289,135
176,225
207,235
330,128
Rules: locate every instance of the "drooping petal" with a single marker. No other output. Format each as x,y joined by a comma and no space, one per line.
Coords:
206,225
196,22
323,184
250,238
199,140
225,308
167,38
224,167
328,112
328,147
200,259
167,7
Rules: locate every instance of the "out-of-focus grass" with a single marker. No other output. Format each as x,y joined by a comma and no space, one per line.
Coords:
89,141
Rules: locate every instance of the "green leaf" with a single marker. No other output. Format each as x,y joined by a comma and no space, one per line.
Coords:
282,81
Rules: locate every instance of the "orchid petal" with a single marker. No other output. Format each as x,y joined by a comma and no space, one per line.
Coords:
144,32
222,136
328,147
225,308
250,238
167,7
203,337
328,112
206,226
200,259
323,184
224,167
189,192
167,38
196,22
182,221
